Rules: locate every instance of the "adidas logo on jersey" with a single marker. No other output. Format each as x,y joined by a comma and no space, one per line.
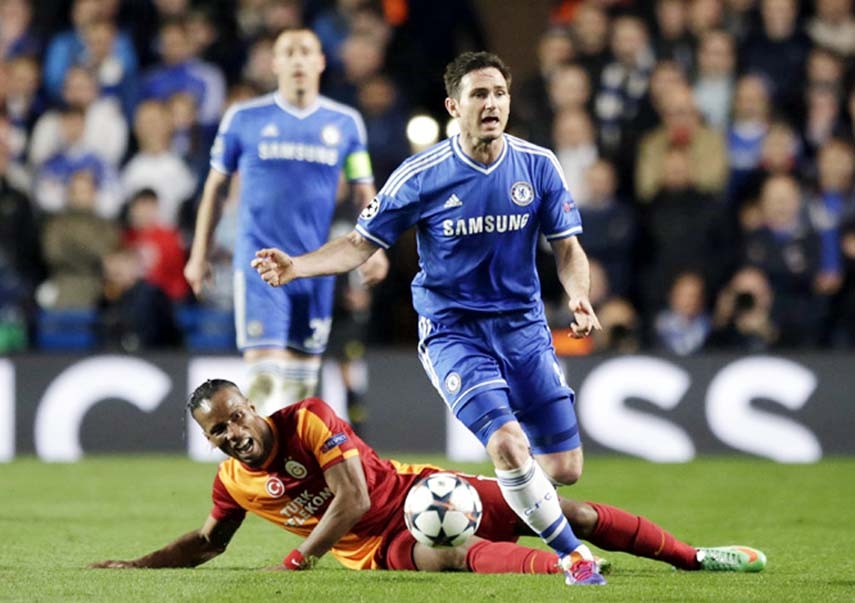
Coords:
453,201
269,131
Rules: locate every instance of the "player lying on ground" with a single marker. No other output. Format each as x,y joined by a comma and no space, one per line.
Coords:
304,469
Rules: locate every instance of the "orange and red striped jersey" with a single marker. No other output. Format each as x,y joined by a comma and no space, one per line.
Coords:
290,490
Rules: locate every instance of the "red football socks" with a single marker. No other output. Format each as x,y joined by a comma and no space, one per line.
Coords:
485,557
617,530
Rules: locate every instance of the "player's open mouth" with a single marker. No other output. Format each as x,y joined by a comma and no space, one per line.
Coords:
490,120
244,447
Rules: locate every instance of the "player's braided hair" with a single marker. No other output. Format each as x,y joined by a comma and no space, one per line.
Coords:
206,391
469,62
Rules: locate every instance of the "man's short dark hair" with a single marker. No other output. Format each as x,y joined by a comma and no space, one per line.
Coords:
206,391
469,62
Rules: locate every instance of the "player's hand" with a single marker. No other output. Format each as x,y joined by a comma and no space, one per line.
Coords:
584,318
112,564
197,273
374,269
274,266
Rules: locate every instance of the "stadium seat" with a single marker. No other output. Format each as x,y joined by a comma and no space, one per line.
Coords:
66,330
206,328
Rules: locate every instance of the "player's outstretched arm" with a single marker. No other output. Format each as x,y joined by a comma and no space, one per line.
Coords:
336,257
189,550
575,276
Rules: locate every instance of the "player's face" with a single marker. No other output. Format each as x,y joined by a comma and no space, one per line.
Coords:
483,105
231,424
297,60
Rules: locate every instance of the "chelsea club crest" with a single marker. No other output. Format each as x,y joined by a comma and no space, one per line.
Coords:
522,193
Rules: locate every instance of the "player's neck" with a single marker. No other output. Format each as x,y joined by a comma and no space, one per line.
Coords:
482,151
299,98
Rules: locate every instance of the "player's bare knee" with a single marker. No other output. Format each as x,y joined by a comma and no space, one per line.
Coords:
564,473
507,449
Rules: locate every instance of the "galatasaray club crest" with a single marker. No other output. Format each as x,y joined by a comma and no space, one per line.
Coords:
295,469
275,487
522,193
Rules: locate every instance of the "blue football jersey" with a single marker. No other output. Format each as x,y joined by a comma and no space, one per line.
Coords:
477,225
290,161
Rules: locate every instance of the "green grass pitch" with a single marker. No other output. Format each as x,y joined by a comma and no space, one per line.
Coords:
54,519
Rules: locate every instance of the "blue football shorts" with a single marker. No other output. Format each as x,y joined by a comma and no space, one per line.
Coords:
489,367
296,316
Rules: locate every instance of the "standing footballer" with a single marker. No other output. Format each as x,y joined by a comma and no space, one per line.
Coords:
290,148
479,202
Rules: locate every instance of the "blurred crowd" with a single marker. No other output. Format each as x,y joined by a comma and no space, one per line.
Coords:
707,143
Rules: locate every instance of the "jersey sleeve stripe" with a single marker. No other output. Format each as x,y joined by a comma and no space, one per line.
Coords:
535,150
406,169
218,165
564,233
399,179
377,241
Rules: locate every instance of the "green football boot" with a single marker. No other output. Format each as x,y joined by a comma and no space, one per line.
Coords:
731,559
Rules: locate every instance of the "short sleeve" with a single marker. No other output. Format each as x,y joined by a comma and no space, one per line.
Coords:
323,432
559,216
225,507
394,210
225,152
357,163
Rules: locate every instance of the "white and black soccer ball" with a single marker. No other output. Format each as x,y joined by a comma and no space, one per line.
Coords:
442,510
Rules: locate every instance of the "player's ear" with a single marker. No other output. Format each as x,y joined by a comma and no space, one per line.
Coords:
451,107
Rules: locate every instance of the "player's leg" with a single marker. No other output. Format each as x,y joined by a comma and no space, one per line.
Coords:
543,404
267,321
476,555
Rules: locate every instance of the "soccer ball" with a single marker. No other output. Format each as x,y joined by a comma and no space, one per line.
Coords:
442,510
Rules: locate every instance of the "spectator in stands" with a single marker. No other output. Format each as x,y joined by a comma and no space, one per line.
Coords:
54,175
747,132
673,40
682,231
738,18
105,130
75,240
133,314
257,69
622,86
778,51
833,26
24,103
574,143
779,155
715,80
611,227
180,70
17,37
362,58
590,31
822,118
787,250
213,40
155,165
15,171
842,327
681,129
621,332
683,326
568,89
116,72
190,140
742,321
385,112
160,248
531,101
831,204
68,48
21,261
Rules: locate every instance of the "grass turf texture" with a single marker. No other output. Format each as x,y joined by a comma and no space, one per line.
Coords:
54,519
